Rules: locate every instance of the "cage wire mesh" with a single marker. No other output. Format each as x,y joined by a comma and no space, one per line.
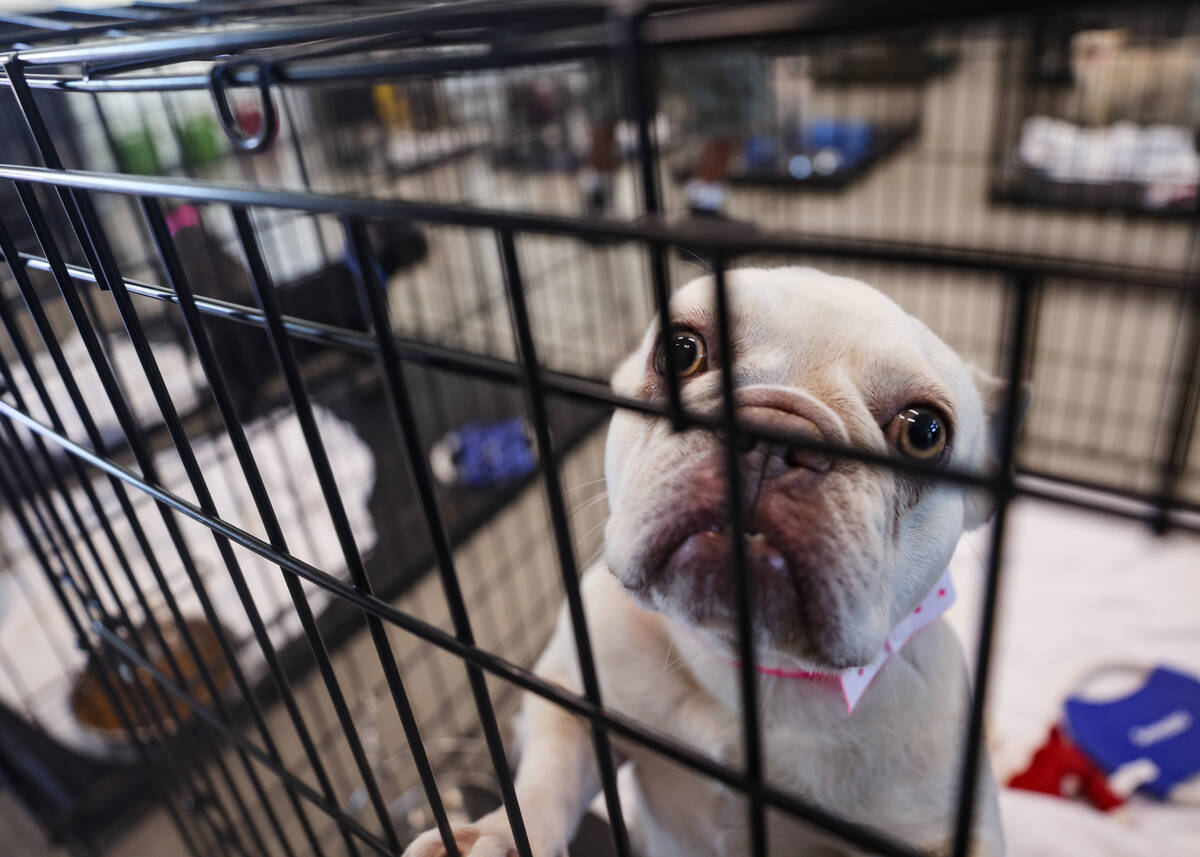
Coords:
245,592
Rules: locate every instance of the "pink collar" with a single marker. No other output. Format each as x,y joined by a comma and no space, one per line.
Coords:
854,681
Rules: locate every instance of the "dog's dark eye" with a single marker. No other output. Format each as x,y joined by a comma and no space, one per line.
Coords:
919,432
684,353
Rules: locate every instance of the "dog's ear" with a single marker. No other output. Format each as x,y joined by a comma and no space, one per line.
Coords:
993,392
398,245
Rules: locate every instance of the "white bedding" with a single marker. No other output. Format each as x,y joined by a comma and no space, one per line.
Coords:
1080,591
181,374
40,659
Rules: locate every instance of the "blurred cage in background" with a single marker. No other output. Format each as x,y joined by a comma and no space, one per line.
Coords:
1103,114
913,157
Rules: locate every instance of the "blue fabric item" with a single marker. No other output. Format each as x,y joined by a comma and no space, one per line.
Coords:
491,453
850,138
760,152
1160,722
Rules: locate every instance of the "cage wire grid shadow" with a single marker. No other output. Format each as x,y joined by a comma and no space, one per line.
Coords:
124,447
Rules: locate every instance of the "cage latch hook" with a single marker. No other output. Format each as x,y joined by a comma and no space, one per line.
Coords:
220,77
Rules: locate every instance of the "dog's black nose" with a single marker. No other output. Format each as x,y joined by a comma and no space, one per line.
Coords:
812,459
799,454
779,457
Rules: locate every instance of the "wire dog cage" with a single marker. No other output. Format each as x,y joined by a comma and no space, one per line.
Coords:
263,258
1098,91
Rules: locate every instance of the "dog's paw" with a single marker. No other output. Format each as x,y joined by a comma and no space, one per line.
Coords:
473,840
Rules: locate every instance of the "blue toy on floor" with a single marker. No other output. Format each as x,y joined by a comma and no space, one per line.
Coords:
481,455
1147,741
1159,724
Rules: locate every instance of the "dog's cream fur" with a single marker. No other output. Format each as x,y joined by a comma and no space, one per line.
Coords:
862,546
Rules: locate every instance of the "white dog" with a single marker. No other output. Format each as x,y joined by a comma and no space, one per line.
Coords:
842,556
1140,83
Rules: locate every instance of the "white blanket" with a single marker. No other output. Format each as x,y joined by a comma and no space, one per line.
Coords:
1122,152
181,374
1080,591
36,642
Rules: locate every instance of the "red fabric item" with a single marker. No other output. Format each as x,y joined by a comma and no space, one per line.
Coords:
250,118
1060,768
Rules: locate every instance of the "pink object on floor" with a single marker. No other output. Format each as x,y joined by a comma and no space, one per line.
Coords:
182,217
